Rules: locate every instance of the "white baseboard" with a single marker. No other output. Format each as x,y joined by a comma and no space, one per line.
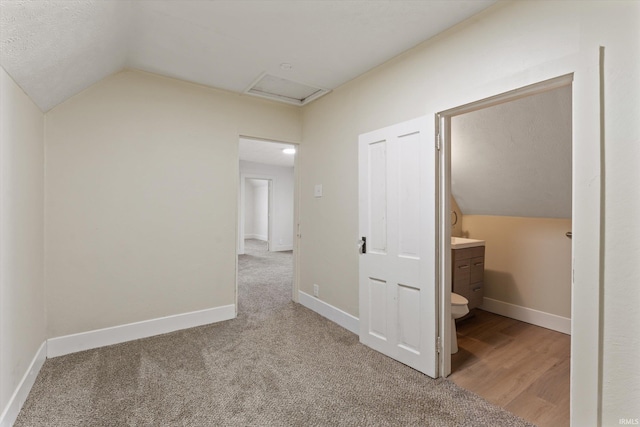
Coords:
529,315
117,334
280,248
18,398
342,318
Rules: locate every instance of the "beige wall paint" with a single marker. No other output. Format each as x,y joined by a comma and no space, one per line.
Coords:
503,48
438,74
141,198
527,260
22,318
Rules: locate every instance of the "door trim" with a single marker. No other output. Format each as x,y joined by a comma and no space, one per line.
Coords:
588,235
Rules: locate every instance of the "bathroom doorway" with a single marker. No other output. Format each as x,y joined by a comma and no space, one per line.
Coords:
511,184
508,183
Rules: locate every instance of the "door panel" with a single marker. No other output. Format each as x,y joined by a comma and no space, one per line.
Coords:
408,312
397,194
378,304
408,191
378,203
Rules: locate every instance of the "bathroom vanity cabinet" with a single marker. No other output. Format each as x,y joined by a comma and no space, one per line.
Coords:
468,274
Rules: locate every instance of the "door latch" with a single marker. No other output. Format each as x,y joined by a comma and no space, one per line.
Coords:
363,245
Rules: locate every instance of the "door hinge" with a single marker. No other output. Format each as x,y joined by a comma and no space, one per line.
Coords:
438,141
439,345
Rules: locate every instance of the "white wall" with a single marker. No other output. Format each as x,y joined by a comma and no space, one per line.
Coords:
261,209
510,45
282,181
22,310
249,215
141,201
256,209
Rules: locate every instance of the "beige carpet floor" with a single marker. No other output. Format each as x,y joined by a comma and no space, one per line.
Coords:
276,364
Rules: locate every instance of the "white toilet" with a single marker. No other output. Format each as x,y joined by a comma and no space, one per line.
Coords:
458,309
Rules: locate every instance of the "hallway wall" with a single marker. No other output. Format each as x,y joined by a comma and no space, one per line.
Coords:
22,301
510,45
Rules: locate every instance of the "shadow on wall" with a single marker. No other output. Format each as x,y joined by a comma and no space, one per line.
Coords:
502,286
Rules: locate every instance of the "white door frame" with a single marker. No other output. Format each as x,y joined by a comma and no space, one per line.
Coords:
587,205
297,230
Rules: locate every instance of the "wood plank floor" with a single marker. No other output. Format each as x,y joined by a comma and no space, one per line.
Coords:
520,367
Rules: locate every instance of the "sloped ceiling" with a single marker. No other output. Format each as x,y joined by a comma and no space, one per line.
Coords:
514,159
53,49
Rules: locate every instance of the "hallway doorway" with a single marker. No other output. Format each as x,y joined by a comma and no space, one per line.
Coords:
267,197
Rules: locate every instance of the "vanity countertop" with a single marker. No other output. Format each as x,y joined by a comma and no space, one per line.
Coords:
462,243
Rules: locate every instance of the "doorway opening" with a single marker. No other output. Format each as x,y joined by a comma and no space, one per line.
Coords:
522,194
256,210
266,246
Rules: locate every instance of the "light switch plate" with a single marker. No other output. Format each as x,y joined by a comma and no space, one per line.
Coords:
317,190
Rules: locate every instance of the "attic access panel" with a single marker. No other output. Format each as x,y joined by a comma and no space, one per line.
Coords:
283,90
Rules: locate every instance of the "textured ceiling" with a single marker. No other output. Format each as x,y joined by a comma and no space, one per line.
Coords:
514,159
54,49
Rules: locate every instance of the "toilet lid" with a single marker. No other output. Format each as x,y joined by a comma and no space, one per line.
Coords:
458,299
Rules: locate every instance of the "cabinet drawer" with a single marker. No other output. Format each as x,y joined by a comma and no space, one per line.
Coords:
462,253
468,253
461,268
476,294
476,269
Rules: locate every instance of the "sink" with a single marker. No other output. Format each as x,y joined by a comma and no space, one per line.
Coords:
462,243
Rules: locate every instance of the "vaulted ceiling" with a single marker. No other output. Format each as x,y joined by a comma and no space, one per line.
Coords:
56,48
511,159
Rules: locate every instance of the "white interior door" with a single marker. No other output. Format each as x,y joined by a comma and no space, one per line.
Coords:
397,214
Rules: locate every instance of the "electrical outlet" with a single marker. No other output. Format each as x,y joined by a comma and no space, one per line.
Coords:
316,290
